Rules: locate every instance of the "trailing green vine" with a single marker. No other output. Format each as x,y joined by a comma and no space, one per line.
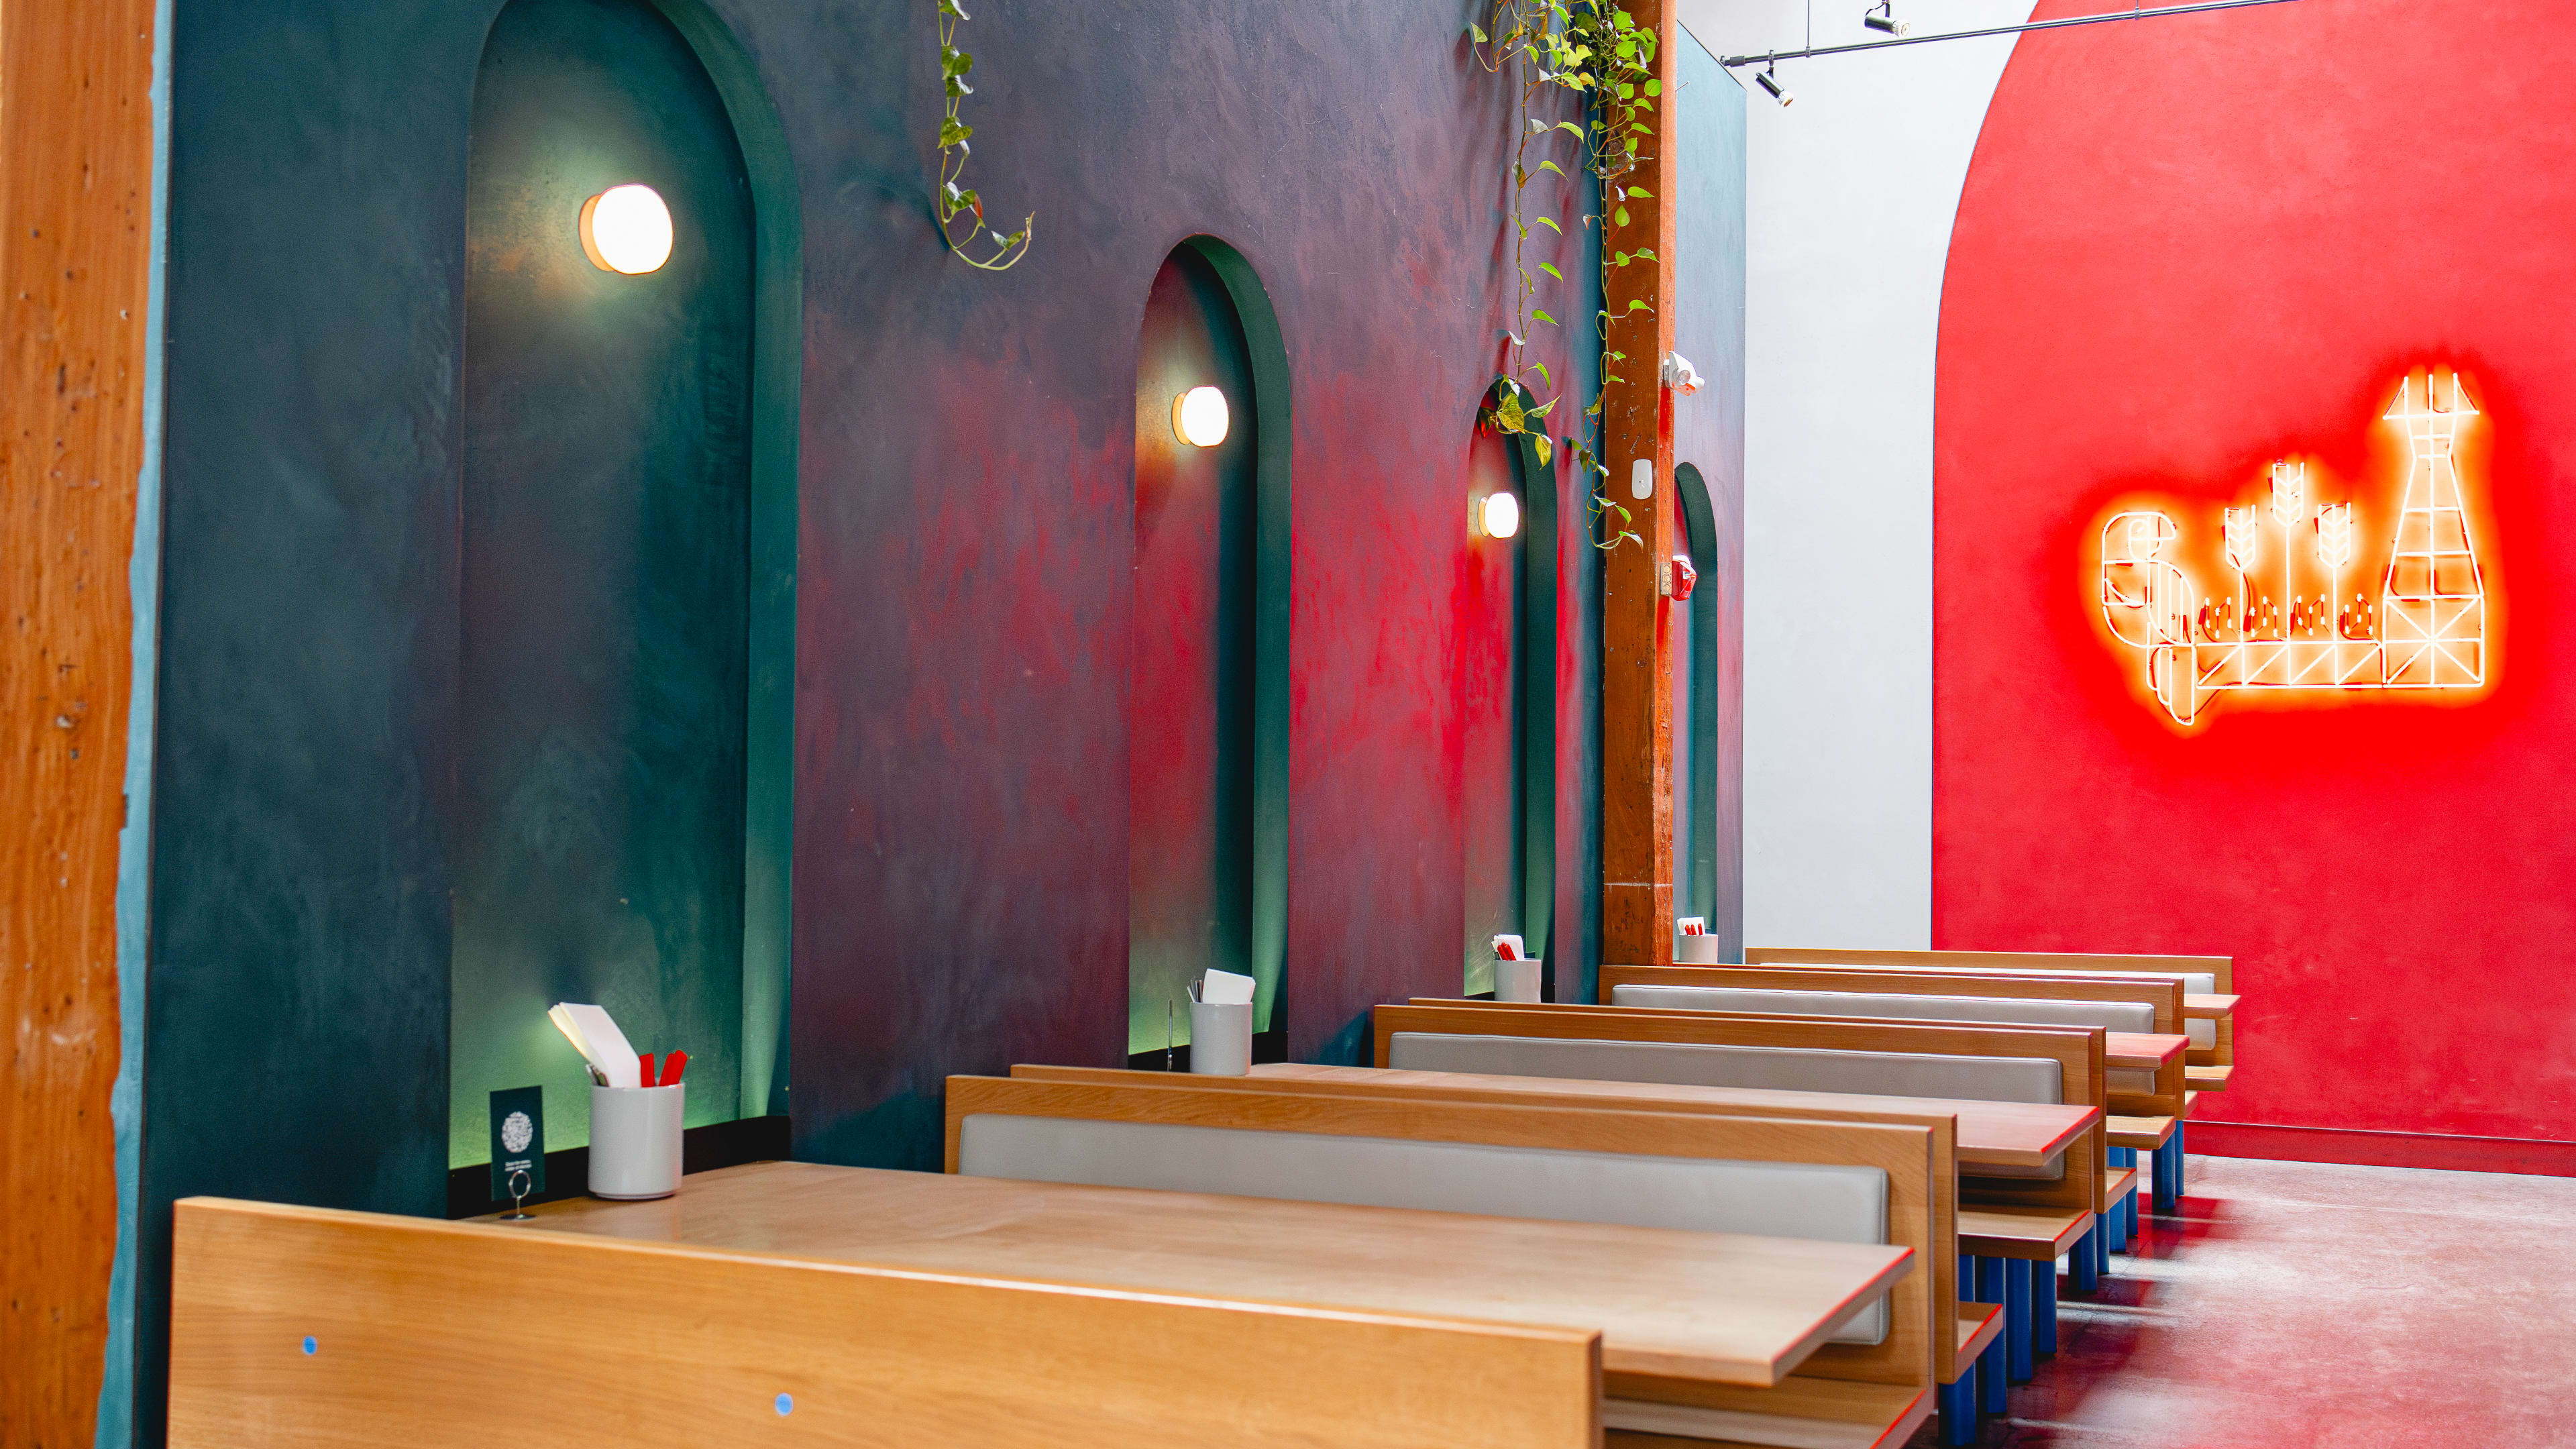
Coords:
956,200
1596,50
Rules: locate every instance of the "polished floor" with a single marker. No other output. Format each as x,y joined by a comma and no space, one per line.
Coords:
2296,1304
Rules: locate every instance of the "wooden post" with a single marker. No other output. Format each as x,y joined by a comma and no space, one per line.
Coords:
75,248
1637,667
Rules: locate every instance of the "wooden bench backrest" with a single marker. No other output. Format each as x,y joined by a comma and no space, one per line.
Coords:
2163,994
1905,1154
2221,970
2159,1095
2077,1051
1943,1127
503,1335
2222,967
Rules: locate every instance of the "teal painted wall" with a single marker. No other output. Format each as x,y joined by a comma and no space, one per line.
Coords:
939,592
1189,700
607,428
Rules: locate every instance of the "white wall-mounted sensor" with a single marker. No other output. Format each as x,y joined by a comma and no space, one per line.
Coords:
1641,479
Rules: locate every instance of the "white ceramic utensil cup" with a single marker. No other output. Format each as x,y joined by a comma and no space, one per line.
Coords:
1517,980
635,1140
1696,951
1220,1038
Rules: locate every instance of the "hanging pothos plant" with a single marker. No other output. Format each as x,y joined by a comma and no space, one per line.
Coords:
956,200
1594,49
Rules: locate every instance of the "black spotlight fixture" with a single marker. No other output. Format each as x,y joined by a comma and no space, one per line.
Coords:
1882,18
1771,83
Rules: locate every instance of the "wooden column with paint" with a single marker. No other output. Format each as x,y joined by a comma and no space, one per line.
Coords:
75,247
1637,865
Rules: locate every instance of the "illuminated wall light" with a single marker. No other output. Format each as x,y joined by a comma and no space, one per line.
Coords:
1496,515
1882,18
1200,417
1771,84
2427,630
626,229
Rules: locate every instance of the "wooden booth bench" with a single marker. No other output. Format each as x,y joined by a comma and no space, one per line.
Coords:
1738,1319
1988,1134
2143,1017
2031,1215
749,1309
2209,980
2209,1010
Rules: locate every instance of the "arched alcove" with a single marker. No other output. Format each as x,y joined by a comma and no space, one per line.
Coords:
1207,684
627,567
1697,638
1505,670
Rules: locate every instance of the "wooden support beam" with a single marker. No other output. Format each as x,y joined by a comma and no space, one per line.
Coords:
1637,862
75,248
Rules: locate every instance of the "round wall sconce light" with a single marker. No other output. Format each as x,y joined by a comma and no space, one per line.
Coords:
1498,515
626,229
1200,417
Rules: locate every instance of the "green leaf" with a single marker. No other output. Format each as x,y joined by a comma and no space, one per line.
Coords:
1654,88
1547,166
1545,378
1543,317
1620,216
1637,304
1508,414
1539,445
1551,271
1478,31
1570,126
953,132
1641,191
1551,225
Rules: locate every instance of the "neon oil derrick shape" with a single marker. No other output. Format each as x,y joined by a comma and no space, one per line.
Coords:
2427,631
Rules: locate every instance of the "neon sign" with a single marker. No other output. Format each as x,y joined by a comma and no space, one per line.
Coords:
2425,630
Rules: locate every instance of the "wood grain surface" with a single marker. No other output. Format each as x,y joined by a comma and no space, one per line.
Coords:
75,247
1672,1304
1637,854
2029,1134
425,1333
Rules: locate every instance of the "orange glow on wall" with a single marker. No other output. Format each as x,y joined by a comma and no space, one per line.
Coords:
2426,629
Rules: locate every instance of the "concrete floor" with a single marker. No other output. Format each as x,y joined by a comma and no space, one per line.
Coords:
2296,1304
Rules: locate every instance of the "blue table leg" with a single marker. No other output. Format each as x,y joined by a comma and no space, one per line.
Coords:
2043,1306
1959,1411
2131,1230
2017,1323
2086,1260
1990,1366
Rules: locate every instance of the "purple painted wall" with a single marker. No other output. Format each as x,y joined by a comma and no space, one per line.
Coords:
964,601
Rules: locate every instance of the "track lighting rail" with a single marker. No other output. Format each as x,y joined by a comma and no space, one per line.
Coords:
2135,13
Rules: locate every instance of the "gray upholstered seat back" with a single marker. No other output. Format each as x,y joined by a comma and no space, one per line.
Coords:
1842,1204
1787,1069
2109,1015
2203,1034
2134,1016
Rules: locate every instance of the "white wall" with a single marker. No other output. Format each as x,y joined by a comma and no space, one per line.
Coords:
1851,192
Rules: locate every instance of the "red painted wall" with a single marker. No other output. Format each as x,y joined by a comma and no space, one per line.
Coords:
2187,247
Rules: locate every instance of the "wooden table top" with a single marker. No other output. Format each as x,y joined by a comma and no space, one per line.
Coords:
2208,1008
1991,1134
1721,1307
2140,1051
